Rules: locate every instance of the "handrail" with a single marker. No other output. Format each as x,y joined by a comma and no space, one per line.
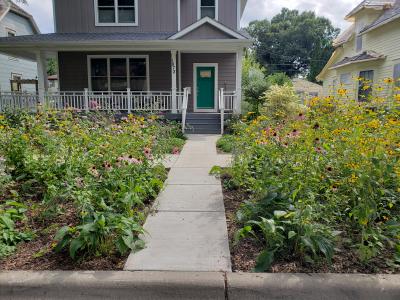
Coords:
222,108
186,92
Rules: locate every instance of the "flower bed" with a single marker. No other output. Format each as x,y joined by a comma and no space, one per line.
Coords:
76,189
321,190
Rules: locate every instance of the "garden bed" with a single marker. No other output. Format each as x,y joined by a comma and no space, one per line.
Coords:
245,253
76,189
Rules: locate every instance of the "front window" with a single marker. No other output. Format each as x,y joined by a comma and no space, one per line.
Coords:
116,12
208,8
119,73
365,85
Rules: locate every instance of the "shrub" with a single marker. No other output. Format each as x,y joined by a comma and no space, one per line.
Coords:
281,102
280,79
226,143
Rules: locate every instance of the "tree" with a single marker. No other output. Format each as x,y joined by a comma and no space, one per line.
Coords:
280,79
293,43
254,82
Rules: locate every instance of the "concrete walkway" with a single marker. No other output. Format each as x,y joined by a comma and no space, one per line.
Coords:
188,231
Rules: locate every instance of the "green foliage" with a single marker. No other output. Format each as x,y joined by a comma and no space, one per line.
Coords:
226,143
293,43
106,172
52,67
281,102
10,235
325,179
254,83
280,79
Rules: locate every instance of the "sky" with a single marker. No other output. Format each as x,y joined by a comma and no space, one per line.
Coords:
335,10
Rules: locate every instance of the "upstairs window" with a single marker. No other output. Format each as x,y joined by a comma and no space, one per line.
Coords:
208,8
359,43
116,12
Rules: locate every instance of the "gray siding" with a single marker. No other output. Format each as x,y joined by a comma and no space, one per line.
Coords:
9,64
226,70
154,16
79,16
227,13
74,74
206,32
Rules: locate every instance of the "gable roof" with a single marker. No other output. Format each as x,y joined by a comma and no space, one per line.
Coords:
390,15
345,36
373,4
362,57
206,20
6,7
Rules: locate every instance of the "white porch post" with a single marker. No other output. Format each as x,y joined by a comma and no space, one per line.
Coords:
237,109
173,80
42,75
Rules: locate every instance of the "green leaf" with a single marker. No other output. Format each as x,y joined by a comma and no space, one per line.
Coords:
62,233
291,234
280,213
74,247
7,222
264,261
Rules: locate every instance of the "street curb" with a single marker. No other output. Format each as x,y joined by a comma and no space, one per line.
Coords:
111,285
195,285
313,286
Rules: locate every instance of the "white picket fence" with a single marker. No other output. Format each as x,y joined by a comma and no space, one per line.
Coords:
89,101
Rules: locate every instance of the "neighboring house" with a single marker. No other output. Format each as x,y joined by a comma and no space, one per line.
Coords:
144,46
14,21
368,49
306,89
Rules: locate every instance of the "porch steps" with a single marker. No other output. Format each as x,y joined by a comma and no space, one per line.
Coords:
203,123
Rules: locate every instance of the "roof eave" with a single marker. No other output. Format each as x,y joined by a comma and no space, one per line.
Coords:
357,62
395,17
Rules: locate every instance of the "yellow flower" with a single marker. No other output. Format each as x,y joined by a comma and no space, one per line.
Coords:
366,87
388,80
1,117
397,97
353,178
342,92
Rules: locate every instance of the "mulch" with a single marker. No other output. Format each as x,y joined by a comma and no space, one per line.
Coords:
39,255
244,254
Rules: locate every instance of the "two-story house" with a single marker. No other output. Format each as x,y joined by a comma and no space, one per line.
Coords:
15,21
145,46
368,49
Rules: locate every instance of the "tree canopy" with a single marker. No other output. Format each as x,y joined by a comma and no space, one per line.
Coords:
294,43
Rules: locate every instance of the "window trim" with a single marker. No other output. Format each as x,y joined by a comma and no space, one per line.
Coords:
99,24
199,9
12,31
108,57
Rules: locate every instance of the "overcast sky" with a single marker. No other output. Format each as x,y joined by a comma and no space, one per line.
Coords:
335,10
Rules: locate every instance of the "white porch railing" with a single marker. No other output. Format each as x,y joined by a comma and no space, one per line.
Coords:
89,101
226,102
184,107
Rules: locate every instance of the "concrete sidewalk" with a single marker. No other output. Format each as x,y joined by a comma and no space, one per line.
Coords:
188,231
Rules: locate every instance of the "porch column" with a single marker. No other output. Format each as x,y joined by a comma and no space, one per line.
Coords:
173,81
239,64
42,75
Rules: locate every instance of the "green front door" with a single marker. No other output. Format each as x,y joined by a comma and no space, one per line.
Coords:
205,87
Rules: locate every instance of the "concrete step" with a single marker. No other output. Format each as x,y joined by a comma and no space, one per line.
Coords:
203,121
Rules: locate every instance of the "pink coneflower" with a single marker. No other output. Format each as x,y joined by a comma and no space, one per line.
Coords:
176,150
94,172
268,131
79,182
147,153
294,134
301,117
107,166
93,104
